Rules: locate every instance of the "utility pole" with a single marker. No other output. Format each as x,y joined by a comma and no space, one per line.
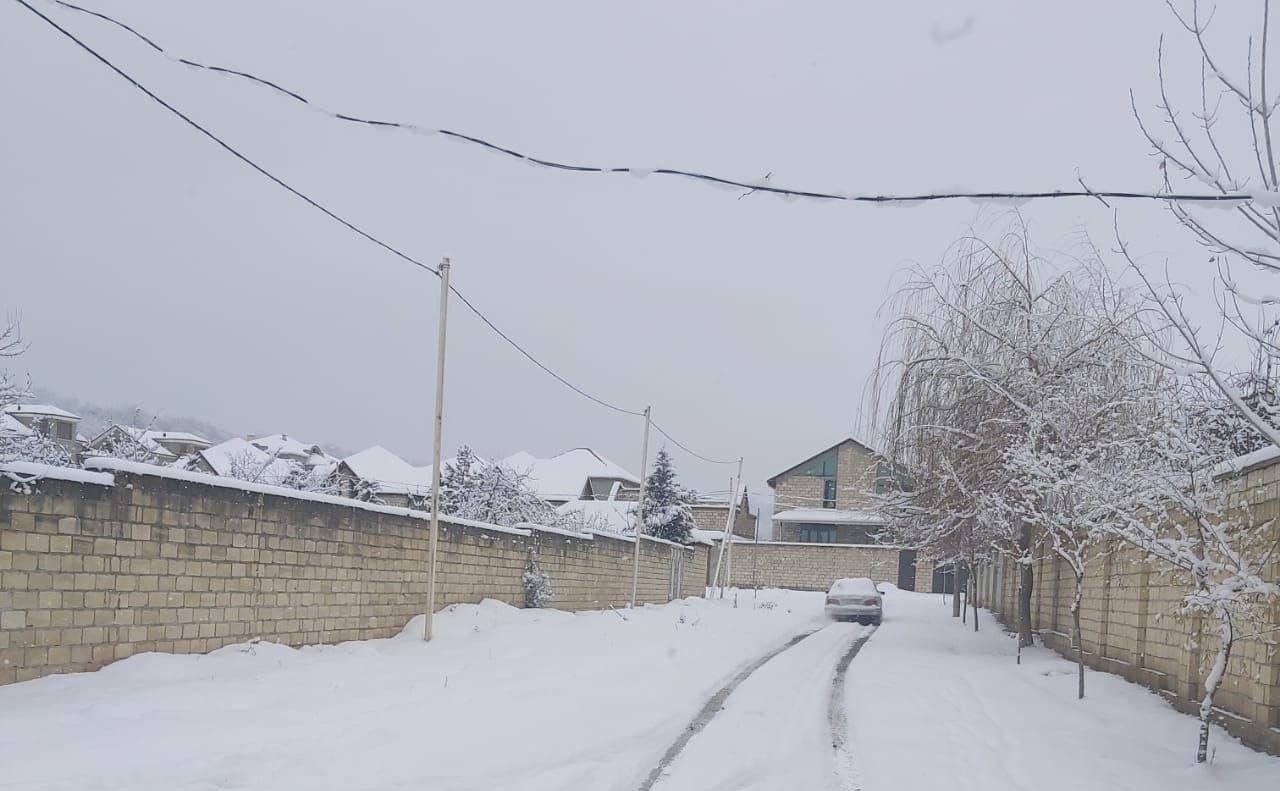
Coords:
435,449
644,485
755,562
728,530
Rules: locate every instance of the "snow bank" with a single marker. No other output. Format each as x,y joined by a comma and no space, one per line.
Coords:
539,700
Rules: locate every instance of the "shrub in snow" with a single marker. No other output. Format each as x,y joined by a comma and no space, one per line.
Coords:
17,443
537,587
665,512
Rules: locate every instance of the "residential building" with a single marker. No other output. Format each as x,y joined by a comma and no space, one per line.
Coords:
578,474
710,514
829,498
152,446
51,421
376,473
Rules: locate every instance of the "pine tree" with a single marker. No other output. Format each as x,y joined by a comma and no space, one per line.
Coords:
665,512
456,479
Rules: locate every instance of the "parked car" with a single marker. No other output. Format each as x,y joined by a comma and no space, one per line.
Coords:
855,599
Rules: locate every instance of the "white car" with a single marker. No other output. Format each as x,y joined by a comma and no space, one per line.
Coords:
855,599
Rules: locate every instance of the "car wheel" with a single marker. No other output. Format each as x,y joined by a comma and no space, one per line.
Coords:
875,621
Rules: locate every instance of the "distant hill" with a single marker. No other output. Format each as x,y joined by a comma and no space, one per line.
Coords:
95,418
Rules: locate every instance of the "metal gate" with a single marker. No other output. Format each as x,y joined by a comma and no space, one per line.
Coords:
676,583
907,569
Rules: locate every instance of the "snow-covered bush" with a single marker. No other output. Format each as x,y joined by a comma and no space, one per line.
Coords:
537,586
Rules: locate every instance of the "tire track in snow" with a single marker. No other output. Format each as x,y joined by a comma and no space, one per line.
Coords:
838,717
712,707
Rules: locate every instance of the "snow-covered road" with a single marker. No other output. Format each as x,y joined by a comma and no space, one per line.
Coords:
541,700
775,730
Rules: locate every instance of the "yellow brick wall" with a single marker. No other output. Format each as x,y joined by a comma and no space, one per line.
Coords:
1131,625
90,574
815,566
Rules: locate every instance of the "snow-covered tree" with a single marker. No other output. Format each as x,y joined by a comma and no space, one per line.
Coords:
499,495
537,586
18,442
665,512
456,478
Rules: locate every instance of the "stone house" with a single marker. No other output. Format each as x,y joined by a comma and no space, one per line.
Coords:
713,514
51,421
829,498
158,447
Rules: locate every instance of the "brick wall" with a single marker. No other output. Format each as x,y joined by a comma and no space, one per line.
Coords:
855,482
90,573
1131,626
772,564
713,517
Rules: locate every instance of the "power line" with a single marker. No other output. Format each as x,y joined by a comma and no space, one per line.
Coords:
689,450
756,186
326,211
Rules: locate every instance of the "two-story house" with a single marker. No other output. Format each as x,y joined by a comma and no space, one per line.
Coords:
51,421
829,498
155,447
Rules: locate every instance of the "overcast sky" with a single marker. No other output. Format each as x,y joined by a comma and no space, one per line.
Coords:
148,265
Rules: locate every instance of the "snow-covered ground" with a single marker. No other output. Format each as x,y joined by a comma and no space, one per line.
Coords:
539,699
933,705
503,698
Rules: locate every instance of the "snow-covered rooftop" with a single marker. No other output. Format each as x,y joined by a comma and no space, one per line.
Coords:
829,516
614,516
12,427
563,477
390,473
40,410
224,457
289,447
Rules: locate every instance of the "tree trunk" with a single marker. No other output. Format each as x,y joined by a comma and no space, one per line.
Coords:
955,589
1214,680
964,605
1025,584
973,587
1076,636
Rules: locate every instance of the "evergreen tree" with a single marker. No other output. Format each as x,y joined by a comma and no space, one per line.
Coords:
665,512
457,478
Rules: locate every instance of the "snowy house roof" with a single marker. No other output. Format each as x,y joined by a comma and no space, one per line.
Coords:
12,427
829,516
390,473
178,436
614,516
565,476
290,448
40,410
225,456
138,435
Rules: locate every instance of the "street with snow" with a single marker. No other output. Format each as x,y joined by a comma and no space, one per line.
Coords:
541,699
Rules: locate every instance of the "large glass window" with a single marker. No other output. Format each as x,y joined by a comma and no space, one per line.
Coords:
817,534
822,466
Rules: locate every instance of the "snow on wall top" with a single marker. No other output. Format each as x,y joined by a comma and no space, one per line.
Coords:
28,472
43,410
1247,461
563,477
829,516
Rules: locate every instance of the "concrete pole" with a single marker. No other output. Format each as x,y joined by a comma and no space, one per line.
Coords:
435,449
755,562
644,485
733,514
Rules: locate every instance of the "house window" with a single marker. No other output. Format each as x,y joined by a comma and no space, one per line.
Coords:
821,466
829,493
817,534
64,430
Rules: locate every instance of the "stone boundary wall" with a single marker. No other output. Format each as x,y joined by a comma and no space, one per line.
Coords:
1131,626
801,566
92,573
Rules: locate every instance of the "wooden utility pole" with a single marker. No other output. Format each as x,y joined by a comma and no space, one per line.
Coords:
435,449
